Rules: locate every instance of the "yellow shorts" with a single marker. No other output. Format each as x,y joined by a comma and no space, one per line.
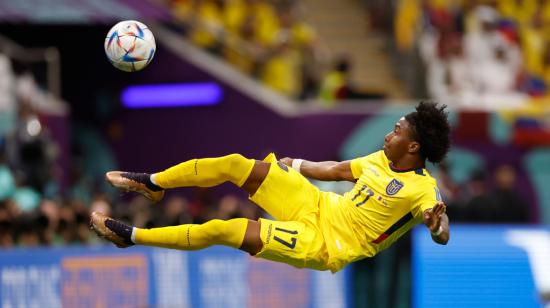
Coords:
300,244
286,194
295,238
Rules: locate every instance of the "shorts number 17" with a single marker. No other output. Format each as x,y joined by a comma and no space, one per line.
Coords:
292,242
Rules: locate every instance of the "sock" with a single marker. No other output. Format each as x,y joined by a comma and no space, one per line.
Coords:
133,236
193,236
206,172
152,179
144,178
122,230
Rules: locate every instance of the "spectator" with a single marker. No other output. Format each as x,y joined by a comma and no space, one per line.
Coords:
498,74
509,205
303,39
30,150
6,234
281,71
28,230
207,31
479,206
532,38
450,192
7,226
520,11
449,75
335,82
480,45
228,208
175,212
50,210
336,85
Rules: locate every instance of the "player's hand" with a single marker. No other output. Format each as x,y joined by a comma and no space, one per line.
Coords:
287,161
432,217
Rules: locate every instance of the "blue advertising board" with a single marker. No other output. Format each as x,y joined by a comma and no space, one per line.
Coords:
482,266
102,276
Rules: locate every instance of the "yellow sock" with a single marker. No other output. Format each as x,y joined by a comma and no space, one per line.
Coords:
206,172
192,237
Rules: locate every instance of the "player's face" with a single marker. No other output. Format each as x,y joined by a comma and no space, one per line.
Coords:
397,142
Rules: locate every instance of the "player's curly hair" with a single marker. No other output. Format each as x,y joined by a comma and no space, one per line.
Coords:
431,130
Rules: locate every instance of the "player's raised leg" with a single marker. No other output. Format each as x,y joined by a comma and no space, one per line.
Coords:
205,172
237,233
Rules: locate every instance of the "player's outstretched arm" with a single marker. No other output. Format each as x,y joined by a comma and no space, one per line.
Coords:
438,223
324,171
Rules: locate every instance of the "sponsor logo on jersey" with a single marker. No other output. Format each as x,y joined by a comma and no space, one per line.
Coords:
373,171
382,200
394,187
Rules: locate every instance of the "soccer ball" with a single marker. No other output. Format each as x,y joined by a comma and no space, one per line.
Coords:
130,45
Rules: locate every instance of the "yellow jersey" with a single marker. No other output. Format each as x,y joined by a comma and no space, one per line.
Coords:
383,205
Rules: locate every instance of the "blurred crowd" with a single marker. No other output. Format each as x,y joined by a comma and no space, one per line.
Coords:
64,220
268,40
45,200
493,53
484,54
484,197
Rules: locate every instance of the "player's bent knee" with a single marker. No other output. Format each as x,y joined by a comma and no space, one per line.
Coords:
236,168
252,242
214,230
237,158
257,176
225,232
230,162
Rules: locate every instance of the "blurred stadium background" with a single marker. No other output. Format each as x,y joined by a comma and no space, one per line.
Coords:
318,79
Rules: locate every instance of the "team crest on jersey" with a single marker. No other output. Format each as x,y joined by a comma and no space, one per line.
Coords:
394,187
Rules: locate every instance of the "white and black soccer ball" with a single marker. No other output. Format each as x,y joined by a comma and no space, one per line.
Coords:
130,45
